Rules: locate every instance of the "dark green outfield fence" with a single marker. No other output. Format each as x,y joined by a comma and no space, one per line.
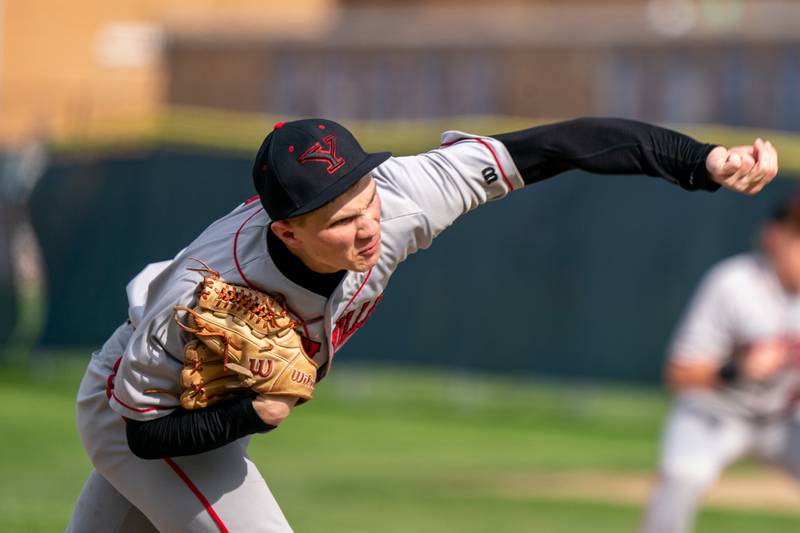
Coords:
580,276
8,300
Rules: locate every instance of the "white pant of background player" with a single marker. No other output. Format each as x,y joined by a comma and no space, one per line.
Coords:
699,442
221,490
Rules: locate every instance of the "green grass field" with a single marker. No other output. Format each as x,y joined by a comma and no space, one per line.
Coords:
395,450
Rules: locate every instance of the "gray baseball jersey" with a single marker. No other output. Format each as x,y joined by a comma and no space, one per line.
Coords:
740,301
137,373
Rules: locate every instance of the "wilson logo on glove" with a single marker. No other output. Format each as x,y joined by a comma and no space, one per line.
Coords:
302,378
244,341
257,367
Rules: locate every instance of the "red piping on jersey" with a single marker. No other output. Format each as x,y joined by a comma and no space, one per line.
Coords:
111,395
239,268
251,200
369,272
497,160
212,513
214,516
491,151
236,241
146,410
110,379
333,352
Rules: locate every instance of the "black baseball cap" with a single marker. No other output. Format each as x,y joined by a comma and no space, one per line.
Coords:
304,164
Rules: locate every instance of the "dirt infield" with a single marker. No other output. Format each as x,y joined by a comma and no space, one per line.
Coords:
764,490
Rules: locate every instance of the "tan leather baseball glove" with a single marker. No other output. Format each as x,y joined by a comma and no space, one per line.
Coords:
244,341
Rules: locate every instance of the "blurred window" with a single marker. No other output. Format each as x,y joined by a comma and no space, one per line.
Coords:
687,91
733,89
788,92
625,86
384,85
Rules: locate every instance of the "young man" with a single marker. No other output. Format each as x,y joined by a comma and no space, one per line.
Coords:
332,225
734,367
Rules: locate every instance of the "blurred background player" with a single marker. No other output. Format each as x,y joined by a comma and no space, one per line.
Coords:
732,365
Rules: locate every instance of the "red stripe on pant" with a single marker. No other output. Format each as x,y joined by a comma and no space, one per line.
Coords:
181,474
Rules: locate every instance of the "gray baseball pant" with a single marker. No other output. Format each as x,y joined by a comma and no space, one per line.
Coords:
697,445
219,491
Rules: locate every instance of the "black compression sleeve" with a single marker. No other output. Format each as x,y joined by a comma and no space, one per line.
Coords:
609,146
185,432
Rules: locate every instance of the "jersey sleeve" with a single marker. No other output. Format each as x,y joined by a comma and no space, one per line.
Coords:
707,329
147,380
464,172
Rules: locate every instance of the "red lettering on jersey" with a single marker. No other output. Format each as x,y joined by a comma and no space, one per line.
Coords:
261,367
311,347
339,328
316,153
346,325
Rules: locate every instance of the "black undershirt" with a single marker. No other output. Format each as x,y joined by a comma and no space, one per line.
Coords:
293,268
609,146
600,146
189,432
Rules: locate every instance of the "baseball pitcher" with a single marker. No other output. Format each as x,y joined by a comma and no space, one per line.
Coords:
225,339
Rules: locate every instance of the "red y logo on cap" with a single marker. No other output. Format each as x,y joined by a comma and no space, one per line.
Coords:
316,153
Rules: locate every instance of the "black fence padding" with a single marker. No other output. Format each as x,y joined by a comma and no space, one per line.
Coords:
8,299
580,276
101,221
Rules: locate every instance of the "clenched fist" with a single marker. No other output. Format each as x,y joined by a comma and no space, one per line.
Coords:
745,169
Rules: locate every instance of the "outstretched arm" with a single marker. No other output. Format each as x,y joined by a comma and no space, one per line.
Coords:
620,146
466,170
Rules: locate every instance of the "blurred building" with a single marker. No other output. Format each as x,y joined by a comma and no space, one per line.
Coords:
67,67
78,66
730,62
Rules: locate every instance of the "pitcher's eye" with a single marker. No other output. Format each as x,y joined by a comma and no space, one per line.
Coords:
342,222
